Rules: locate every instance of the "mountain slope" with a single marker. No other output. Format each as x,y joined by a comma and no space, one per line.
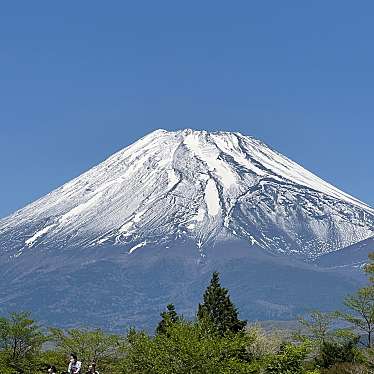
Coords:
104,287
354,256
208,187
192,184
150,224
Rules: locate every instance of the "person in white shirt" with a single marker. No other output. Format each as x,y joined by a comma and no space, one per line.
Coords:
74,365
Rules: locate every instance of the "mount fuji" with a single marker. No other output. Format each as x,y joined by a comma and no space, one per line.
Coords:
148,225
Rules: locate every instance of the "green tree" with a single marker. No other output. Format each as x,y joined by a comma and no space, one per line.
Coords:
218,308
186,348
289,360
369,268
317,326
168,318
89,345
347,368
335,352
361,313
263,343
21,340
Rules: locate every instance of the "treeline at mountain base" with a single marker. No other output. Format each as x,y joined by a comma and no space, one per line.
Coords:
216,342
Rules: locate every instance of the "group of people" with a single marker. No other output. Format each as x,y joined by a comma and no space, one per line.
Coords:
75,367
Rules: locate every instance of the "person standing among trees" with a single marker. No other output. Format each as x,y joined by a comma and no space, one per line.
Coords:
52,369
74,365
92,369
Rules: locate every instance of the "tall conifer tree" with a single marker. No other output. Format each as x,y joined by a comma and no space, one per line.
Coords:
218,308
169,317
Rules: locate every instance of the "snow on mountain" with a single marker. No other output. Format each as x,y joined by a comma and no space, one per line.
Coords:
192,185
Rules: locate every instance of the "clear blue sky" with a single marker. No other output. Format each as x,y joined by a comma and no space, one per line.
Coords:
80,80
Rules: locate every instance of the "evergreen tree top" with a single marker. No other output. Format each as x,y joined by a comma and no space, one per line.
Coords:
218,308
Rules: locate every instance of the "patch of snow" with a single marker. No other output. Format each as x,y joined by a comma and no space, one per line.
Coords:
211,197
31,241
126,227
200,215
138,216
172,178
102,240
253,240
209,154
79,209
142,244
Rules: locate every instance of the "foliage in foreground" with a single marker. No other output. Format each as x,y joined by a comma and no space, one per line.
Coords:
217,342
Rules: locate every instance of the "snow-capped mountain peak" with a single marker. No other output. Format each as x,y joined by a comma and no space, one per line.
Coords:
192,185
